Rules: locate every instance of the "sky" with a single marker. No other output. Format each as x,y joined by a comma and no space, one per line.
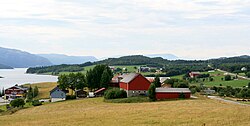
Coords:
191,29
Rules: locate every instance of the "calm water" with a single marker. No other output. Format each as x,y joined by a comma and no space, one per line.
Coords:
18,76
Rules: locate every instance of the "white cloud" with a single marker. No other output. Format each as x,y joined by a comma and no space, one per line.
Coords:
89,26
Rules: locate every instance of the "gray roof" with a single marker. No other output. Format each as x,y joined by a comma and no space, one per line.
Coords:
56,88
126,78
173,90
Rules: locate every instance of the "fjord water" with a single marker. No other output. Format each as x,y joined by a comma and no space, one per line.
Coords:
18,76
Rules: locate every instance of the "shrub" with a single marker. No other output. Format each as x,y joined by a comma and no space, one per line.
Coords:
151,92
128,100
114,93
36,103
182,95
228,78
17,103
193,90
70,97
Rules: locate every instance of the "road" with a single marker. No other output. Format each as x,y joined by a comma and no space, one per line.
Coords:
3,102
229,101
233,74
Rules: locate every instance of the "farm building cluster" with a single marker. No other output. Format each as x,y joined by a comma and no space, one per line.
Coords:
134,84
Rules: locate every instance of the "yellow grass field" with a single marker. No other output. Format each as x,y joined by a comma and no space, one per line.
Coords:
89,112
44,88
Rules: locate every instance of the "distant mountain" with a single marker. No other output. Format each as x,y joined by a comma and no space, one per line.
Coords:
20,59
164,56
58,59
5,67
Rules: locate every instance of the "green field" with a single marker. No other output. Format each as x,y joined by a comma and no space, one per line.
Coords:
217,75
218,81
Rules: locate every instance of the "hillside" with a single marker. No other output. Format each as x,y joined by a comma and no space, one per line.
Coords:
91,112
134,60
20,59
58,59
171,67
5,67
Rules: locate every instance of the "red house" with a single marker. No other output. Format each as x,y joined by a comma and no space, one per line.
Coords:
194,74
171,93
134,84
15,92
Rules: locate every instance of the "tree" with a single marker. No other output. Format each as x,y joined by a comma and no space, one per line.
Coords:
182,95
228,78
248,74
35,91
17,103
248,85
105,79
152,93
63,81
157,81
94,76
81,81
30,94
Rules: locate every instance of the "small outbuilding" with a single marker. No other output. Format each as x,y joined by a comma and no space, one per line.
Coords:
100,92
171,93
57,94
81,93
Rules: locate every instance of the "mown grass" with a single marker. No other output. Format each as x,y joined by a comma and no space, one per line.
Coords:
94,111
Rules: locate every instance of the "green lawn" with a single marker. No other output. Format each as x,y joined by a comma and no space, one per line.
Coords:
218,80
217,75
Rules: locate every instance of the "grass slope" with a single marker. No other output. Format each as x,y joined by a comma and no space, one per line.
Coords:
96,112
44,88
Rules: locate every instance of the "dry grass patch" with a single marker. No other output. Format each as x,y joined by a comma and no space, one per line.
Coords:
44,88
96,112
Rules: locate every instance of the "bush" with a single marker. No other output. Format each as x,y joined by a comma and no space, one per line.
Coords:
193,90
17,103
114,93
182,96
151,92
129,100
70,97
228,78
36,103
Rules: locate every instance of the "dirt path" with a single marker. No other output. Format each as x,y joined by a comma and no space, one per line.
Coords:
229,101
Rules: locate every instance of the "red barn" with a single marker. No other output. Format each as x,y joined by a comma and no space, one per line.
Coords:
194,74
134,84
171,93
15,92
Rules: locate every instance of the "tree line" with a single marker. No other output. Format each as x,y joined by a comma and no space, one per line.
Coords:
98,77
56,69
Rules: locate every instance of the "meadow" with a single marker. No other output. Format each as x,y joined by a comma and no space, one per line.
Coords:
44,89
94,111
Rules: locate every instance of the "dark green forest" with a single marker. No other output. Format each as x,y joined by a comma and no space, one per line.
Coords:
169,67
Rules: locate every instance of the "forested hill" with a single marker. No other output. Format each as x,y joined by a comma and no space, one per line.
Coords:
231,64
5,67
237,59
133,60
143,60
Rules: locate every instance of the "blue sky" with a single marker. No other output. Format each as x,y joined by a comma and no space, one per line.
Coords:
194,29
